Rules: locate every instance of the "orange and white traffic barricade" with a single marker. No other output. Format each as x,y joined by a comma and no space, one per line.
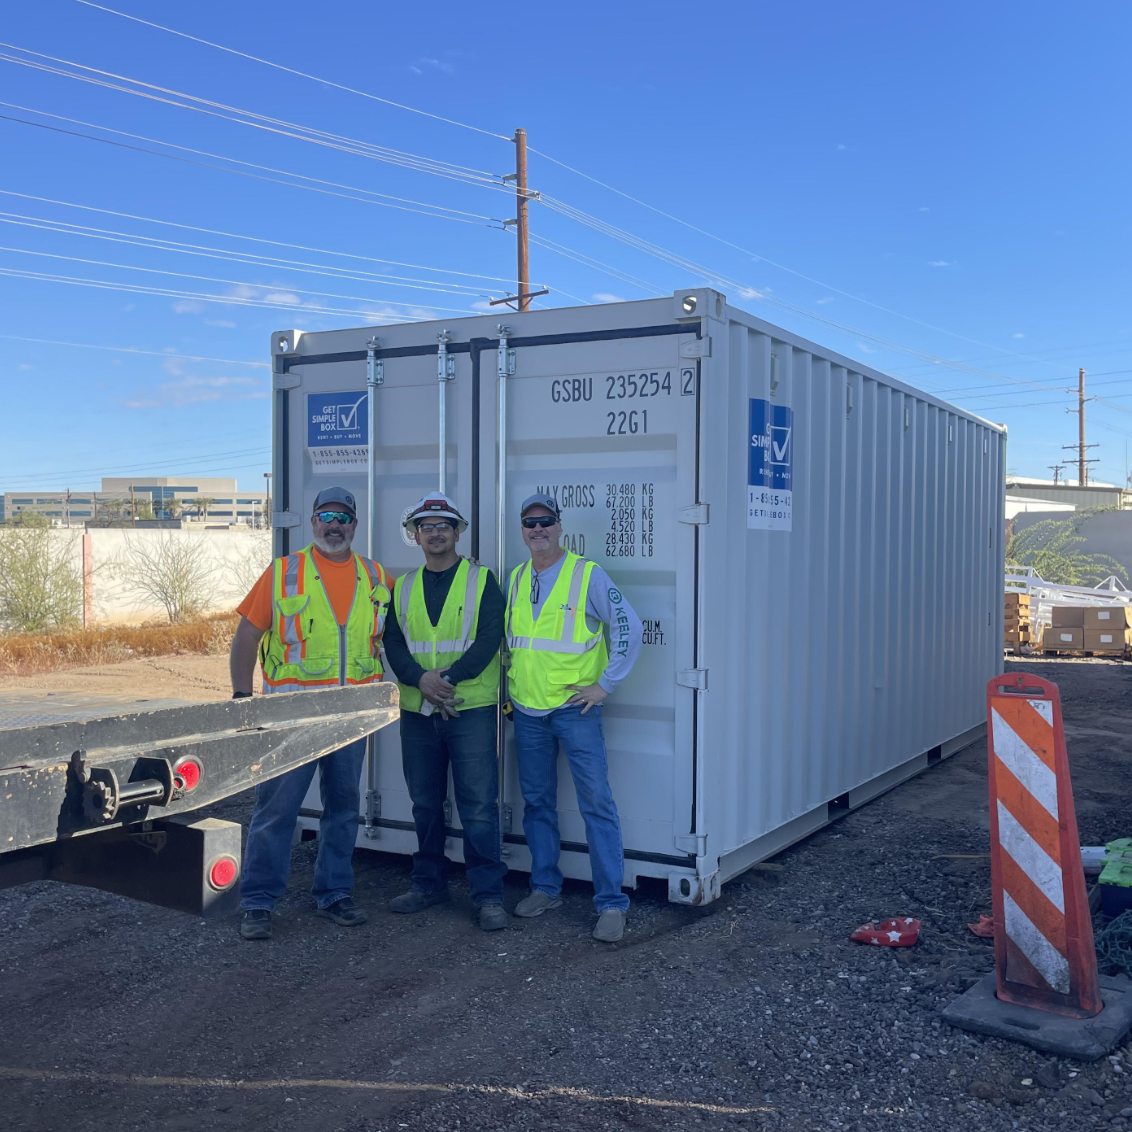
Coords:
1045,989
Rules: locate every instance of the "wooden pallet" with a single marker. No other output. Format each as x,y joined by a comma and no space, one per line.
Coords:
1103,655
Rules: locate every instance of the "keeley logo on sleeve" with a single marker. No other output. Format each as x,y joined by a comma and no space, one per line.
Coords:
770,467
337,431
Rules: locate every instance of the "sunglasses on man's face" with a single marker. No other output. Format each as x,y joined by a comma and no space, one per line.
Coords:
540,521
438,525
342,518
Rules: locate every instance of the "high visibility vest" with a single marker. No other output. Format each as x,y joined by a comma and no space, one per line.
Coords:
559,648
306,647
442,644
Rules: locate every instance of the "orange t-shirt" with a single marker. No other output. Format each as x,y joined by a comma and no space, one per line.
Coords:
339,578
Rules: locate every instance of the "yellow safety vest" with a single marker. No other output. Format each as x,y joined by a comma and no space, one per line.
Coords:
558,649
306,647
442,644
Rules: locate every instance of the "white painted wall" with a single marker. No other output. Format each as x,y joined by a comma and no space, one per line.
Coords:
236,559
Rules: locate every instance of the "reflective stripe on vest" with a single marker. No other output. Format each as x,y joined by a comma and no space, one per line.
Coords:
427,648
459,614
344,654
566,642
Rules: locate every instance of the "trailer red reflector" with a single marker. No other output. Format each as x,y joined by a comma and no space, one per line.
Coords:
223,873
189,771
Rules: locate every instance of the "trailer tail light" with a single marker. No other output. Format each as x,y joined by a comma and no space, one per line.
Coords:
189,771
223,873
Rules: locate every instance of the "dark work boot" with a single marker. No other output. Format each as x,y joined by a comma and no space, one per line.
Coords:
417,900
256,924
344,912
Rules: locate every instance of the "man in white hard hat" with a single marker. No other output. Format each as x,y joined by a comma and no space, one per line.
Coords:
442,642
560,610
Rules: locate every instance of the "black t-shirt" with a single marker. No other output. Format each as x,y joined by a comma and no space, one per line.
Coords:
488,634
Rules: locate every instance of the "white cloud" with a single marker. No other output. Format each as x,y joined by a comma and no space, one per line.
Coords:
434,64
1018,336
826,299
924,208
840,148
865,349
606,297
187,306
220,322
193,390
25,366
941,263
287,298
482,305
128,307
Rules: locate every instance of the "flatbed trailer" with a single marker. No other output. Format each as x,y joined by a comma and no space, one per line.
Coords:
107,801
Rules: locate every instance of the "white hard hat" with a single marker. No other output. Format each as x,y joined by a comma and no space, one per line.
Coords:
435,506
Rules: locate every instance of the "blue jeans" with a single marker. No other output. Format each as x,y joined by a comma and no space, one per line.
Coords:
580,736
429,745
267,855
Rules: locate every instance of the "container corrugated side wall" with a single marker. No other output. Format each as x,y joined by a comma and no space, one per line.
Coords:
862,638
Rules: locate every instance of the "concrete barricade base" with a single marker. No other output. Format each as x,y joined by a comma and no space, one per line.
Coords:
1086,1039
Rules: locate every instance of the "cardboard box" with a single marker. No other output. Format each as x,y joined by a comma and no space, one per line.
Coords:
1063,637
1068,617
1107,640
1116,618
1013,601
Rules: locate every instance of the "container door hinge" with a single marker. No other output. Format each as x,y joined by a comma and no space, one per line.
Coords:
696,347
284,519
696,514
692,678
505,818
692,843
373,812
286,381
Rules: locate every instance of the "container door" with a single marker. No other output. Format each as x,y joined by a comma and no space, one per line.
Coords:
608,427
407,468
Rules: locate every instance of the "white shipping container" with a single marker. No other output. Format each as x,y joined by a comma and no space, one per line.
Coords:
816,551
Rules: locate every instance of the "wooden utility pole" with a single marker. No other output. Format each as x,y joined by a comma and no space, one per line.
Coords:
524,272
1081,428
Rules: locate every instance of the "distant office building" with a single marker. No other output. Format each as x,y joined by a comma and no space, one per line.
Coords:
201,499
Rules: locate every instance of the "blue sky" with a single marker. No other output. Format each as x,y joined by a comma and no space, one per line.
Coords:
948,185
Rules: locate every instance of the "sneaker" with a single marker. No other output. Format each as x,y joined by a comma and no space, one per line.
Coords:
256,924
610,925
537,903
417,900
491,917
344,912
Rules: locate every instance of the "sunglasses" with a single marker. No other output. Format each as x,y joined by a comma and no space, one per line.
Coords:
343,518
439,525
540,521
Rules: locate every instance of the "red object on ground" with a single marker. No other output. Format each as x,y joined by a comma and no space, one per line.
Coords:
1043,931
984,929
902,932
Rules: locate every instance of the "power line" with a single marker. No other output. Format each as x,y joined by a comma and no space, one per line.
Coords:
229,282
134,350
437,210
256,239
292,71
255,120
227,300
146,465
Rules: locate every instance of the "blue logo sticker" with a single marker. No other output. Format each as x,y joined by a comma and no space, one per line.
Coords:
615,597
336,419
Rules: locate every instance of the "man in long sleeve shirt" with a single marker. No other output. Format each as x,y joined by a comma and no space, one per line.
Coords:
443,644
559,609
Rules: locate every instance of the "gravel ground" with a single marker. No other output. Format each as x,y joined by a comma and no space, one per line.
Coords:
756,1011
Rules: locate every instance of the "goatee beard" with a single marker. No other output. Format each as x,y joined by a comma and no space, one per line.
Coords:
335,547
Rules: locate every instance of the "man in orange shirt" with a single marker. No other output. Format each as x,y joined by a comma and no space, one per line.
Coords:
315,619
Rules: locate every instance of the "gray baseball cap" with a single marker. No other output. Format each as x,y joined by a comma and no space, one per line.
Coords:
329,496
547,501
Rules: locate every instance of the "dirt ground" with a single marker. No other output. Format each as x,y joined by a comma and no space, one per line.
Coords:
755,1011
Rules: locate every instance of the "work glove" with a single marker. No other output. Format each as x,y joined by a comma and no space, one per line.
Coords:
448,709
